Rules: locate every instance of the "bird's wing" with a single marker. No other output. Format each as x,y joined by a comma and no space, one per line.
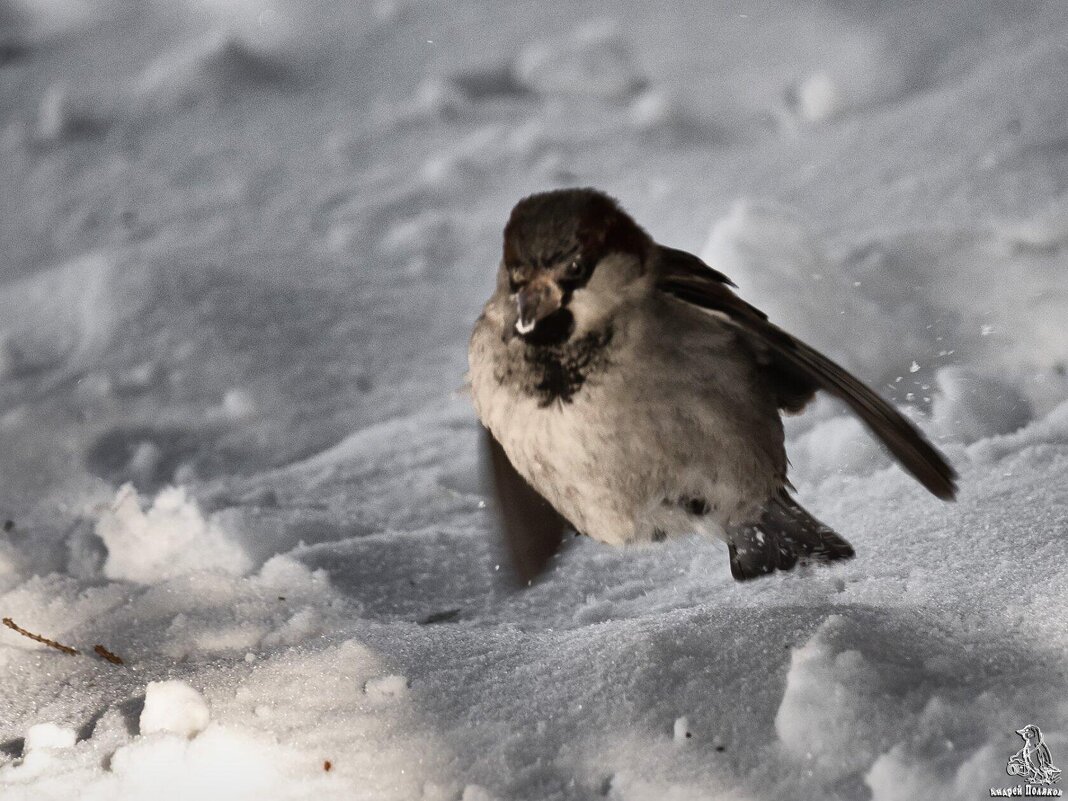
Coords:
531,528
1044,757
679,262
689,278
796,368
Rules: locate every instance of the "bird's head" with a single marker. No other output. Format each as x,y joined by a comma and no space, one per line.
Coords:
571,258
1030,733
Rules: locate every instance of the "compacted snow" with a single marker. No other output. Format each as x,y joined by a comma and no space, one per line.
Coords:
243,246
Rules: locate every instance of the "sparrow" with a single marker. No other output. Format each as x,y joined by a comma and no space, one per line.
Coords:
627,393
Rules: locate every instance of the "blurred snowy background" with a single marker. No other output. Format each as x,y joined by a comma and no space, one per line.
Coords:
243,246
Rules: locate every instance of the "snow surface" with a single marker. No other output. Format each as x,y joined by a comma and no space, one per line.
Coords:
244,243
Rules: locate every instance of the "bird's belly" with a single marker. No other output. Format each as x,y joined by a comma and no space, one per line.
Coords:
622,468
574,461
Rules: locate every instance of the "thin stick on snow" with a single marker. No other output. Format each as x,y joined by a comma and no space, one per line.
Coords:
104,653
11,624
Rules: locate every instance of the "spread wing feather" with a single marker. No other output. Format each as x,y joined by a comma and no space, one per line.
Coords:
798,369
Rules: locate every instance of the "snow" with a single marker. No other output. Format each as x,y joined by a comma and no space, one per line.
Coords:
386,687
244,246
173,706
49,735
171,538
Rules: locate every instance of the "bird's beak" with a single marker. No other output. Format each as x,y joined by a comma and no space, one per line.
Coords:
1020,732
536,301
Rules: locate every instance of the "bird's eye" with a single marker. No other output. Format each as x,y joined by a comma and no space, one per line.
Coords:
576,269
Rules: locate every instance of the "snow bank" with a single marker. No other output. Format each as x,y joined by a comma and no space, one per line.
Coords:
1049,430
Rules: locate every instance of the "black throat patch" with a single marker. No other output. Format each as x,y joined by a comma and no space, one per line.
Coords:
557,372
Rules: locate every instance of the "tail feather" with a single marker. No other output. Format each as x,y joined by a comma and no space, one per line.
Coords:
784,535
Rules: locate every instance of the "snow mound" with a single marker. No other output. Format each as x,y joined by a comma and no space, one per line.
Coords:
175,707
594,61
899,308
833,711
171,538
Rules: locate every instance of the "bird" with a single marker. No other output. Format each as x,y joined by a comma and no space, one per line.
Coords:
627,392
1035,756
